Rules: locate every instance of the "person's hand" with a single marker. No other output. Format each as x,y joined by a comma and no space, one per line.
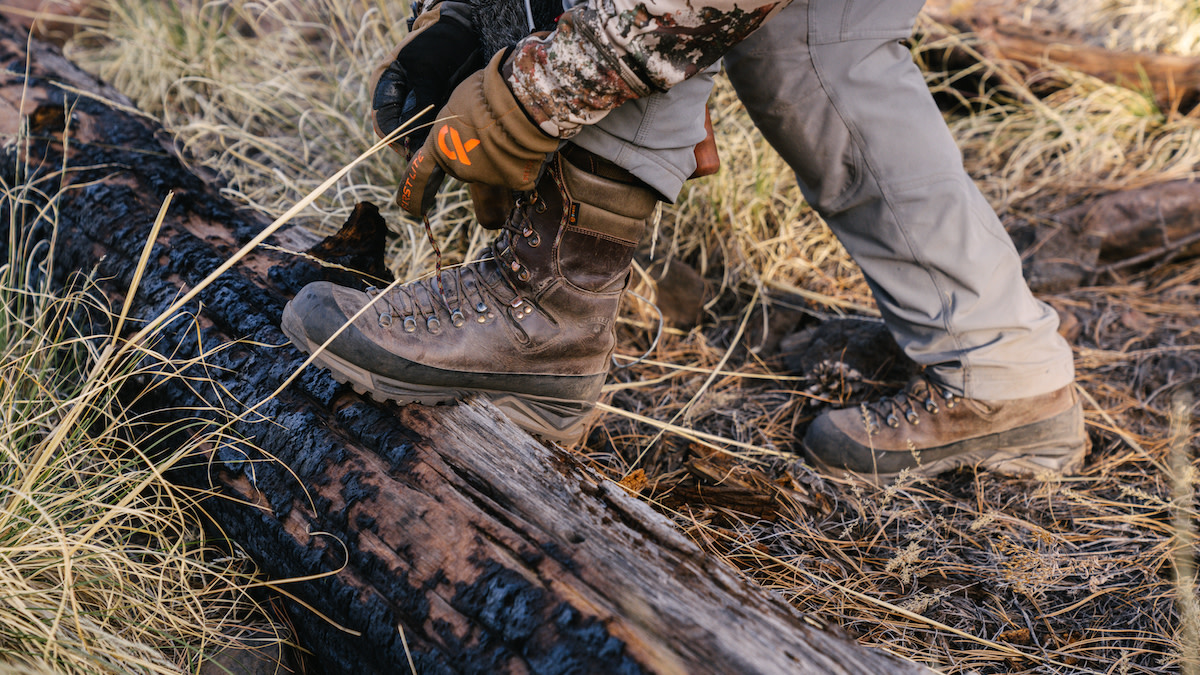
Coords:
441,50
481,136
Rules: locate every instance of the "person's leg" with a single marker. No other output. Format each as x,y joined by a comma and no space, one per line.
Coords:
835,91
654,137
529,326
850,112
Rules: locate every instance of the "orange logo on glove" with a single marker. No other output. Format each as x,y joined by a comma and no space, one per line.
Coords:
460,150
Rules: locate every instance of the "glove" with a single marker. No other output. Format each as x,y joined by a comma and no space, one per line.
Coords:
481,136
441,50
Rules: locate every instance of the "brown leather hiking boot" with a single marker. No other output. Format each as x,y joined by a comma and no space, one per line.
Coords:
530,326
927,430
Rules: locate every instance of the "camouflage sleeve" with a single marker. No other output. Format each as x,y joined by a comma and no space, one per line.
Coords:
607,52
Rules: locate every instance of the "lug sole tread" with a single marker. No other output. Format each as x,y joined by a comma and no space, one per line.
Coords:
1040,460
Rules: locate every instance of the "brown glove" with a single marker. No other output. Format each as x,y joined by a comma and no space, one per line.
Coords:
481,136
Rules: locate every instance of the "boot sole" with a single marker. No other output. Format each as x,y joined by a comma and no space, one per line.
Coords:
1016,458
553,419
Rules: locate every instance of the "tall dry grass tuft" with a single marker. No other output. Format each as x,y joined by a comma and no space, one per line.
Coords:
273,98
1168,26
104,565
1184,480
1033,154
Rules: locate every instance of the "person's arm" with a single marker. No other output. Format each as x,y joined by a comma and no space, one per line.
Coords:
607,52
501,123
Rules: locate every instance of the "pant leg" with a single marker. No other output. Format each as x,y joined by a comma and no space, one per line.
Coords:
654,137
835,92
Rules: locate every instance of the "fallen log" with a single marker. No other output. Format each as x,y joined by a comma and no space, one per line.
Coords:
1006,34
442,535
1115,231
1140,224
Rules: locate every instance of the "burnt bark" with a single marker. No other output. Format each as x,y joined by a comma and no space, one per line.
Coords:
444,533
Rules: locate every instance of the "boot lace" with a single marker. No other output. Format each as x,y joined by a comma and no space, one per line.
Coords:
417,302
920,396
519,223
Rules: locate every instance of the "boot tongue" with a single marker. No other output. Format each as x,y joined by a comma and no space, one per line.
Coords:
492,276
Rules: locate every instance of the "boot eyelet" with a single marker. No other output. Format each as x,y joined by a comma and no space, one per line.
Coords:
911,416
527,232
523,275
540,206
950,400
481,318
520,309
433,325
893,421
481,308
931,406
410,324
457,318
534,241
514,266
385,320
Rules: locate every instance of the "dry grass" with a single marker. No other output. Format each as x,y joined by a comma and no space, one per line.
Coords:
104,565
271,96
967,573
1168,26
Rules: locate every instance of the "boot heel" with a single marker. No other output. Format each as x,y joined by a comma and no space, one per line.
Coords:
1050,458
557,420
1055,446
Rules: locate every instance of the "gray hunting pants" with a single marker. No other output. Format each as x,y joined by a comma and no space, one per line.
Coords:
838,96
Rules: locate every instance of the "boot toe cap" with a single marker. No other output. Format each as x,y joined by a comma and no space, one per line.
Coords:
829,446
314,313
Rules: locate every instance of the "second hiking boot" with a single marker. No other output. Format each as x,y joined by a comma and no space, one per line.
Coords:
926,430
530,326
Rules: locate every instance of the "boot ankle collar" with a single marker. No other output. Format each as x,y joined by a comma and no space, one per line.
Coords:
586,160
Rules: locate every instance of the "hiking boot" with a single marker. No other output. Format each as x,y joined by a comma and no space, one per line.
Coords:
530,326
928,430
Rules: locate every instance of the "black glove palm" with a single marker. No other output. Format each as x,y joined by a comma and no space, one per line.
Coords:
441,50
